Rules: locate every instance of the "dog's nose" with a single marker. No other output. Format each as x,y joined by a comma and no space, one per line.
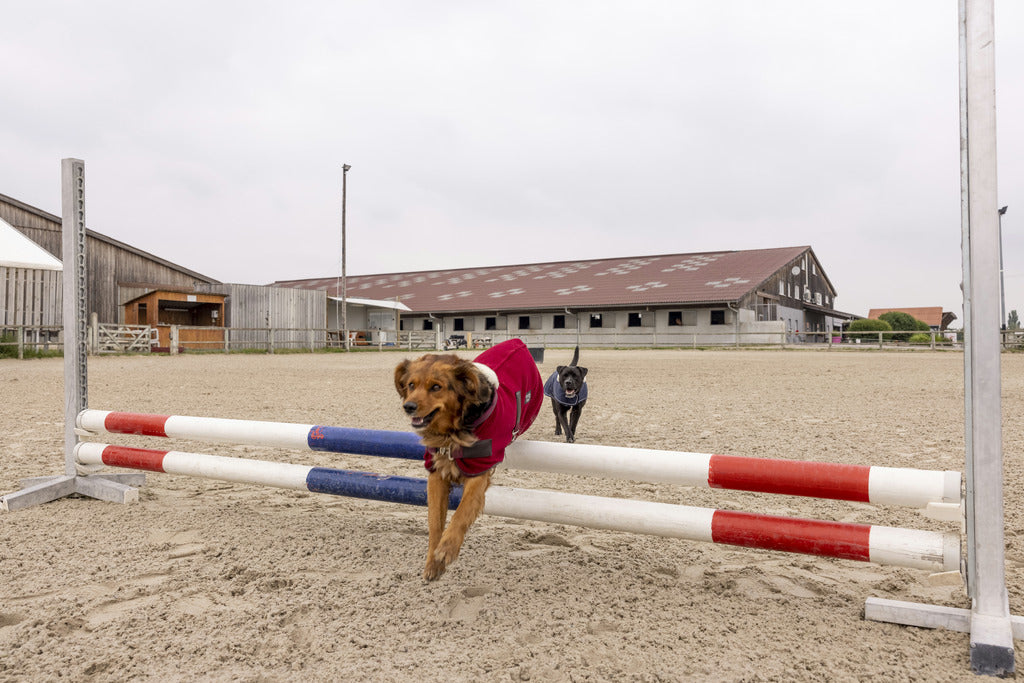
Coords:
410,407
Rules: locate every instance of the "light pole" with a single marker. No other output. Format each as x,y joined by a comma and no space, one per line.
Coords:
1002,290
344,279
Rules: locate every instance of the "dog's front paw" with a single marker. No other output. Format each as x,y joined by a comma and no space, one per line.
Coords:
447,551
434,569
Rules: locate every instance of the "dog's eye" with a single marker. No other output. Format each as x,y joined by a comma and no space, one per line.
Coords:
435,387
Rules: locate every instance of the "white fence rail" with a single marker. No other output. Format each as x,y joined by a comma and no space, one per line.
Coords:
19,340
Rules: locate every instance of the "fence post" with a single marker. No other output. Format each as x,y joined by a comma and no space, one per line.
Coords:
94,333
172,340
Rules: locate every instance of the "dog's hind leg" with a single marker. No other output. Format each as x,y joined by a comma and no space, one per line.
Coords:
472,504
438,489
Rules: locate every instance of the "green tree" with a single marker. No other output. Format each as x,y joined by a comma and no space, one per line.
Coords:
869,327
1012,321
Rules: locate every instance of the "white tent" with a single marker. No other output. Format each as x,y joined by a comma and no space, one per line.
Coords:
18,251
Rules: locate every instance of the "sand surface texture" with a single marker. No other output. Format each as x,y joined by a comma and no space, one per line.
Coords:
207,580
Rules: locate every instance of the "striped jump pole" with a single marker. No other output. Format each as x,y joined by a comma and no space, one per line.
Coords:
926,489
911,548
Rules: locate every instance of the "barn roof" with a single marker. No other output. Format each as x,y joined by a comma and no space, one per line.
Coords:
698,278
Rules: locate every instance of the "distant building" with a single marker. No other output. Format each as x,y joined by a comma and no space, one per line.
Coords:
752,296
130,286
117,272
933,316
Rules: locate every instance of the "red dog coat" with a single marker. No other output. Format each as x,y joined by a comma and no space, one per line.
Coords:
514,407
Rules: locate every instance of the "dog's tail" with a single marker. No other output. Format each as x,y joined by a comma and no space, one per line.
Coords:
575,355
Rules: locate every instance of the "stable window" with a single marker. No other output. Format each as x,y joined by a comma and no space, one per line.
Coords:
558,322
595,320
490,323
143,315
682,318
640,320
717,317
428,324
458,324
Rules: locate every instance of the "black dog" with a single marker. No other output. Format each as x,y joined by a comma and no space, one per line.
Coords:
567,389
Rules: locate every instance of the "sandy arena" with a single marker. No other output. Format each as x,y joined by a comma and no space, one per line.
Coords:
206,580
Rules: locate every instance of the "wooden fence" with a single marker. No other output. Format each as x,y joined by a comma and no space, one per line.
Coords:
17,339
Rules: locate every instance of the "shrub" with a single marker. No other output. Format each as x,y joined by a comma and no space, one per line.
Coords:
901,321
867,325
920,338
8,346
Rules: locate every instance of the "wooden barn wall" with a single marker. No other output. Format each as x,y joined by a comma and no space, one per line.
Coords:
249,306
794,284
30,296
107,264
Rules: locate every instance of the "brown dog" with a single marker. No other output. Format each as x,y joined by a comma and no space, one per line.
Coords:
465,413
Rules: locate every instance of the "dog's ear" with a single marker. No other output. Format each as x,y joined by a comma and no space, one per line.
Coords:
559,369
583,372
400,377
468,382
474,391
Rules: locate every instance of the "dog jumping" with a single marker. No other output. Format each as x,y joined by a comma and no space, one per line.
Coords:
466,413
567,389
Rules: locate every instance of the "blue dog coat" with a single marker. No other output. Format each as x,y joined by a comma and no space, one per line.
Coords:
554,391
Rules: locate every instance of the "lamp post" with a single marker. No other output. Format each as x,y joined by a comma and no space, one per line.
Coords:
344,279
1002,289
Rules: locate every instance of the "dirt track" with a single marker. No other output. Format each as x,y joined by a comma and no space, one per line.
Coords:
216,581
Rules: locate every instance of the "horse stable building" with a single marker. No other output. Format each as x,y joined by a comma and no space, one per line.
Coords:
759,296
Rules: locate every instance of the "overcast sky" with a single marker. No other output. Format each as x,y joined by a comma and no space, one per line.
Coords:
490,133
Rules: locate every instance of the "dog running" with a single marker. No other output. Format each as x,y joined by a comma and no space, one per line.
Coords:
567,389
466,413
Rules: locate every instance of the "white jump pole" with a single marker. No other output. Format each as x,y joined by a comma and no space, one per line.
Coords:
916,549
937,493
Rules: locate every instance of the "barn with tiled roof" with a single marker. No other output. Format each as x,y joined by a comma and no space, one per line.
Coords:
756,295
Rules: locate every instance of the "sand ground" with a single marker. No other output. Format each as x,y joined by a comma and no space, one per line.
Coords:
206,580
